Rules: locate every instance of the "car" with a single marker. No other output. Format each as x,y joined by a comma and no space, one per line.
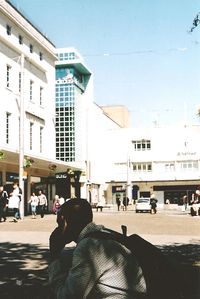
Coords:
143,205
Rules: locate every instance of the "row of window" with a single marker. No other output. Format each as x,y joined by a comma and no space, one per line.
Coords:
65,118
141,145
65,88
9,77
67,157
64,147
66,134
64,94
168,167
31,128
64,129
143,167
67,56
20,40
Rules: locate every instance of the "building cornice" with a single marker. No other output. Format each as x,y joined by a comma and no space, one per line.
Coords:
25,25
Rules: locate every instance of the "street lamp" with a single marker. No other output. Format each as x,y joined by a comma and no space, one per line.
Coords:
128,178
21,138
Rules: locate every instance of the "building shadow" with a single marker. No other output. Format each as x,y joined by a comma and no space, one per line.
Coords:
24,275
187,256
23,271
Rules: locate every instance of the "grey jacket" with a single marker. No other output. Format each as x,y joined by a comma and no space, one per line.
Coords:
100,269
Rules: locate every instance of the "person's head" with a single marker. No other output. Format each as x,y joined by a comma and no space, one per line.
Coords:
15,185
73,216
1,188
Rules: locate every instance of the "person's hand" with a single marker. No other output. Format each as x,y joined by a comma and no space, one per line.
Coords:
56,242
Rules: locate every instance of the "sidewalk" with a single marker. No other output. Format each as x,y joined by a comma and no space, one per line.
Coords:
24,250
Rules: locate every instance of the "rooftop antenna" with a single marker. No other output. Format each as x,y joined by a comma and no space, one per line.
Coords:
155,119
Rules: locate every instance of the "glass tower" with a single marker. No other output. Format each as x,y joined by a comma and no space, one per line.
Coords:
72,78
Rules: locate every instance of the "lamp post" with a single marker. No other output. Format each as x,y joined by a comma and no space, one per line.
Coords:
128,180
21,138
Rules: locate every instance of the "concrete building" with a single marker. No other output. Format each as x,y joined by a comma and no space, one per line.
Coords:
164,161
27,115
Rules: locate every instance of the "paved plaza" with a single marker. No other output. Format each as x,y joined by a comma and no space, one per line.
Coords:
25,255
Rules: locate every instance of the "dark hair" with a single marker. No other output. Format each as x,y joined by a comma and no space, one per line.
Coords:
77,211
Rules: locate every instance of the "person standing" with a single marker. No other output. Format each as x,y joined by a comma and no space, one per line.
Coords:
3,203
185,202
34,204
42,203
125,203
118,201
14,201
153,203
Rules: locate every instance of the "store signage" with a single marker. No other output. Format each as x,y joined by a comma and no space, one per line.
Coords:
67,79
118,189
61,175
186,153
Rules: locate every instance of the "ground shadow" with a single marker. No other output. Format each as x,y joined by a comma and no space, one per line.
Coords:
187,257
23,270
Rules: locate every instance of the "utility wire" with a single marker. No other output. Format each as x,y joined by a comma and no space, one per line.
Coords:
150,51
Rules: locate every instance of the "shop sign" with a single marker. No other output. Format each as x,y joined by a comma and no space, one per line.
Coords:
186,153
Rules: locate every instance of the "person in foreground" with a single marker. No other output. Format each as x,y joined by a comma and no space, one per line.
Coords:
96,268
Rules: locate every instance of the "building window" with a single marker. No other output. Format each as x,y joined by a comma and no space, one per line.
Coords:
31,136
189,166
20,39
8,29
41,96
31,48
8,71
41,55
141,145
31,91
169,167
7,127
142,167
41,139
20,81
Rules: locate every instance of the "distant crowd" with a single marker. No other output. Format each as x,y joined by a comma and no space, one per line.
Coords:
10,202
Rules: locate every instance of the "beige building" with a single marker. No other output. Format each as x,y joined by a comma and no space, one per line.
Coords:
120,114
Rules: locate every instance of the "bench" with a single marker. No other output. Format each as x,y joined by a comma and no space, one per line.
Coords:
100,207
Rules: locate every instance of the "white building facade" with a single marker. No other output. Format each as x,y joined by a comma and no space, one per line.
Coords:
160,161
27,114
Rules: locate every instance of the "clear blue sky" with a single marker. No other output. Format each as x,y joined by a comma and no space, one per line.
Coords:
152,63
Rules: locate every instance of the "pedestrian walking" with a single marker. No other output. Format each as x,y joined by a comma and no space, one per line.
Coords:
118,201
61,200
125,203
34,204
153,203
3,203
56,204
14,201
195,205
185,203
42,203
